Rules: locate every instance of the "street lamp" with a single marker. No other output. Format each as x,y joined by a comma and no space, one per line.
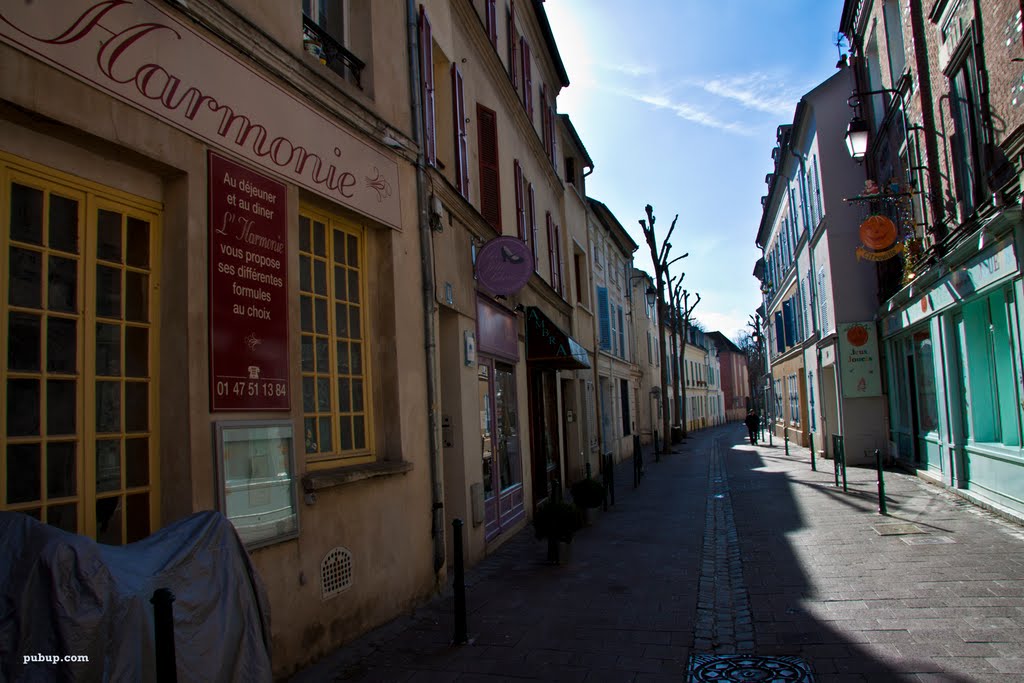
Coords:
651,295
857,138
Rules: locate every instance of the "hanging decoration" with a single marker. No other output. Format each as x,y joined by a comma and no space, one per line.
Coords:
886,236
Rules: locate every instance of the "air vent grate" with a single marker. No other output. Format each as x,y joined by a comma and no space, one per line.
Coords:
335,573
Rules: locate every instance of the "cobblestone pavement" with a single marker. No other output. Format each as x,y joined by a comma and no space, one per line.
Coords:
731,548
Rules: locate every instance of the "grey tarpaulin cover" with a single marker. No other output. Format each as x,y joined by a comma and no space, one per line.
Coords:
65,594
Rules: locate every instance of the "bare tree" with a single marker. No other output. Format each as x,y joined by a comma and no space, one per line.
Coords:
660,259
684,314
675,287
751,345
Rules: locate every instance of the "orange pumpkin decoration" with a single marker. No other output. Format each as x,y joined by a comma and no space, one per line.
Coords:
877,232
857,335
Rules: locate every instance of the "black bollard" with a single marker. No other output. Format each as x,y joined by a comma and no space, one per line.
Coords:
609,468
657,449
814,464
163,634
638,460
881,484
835,458
461,629
786,436
842,464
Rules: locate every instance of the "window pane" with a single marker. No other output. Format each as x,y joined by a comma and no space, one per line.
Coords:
320,306
108,464
357,358
343,364
108,520
341,320
359,431
63,516
108,407
306,313
304,241
61,406
353,323
25,278
357,396
344,395
136,407
23,476
305,279
136,352
339,246
323,359
61,344
61,469
320,277
307,353
323,394
22,407
26,214
319,239
136,297
23,330
353,251
62,293
137,517
345,429
326,442
108,292
108,349
63,224
353,286
108,236
136,462
308,394
312,445
137,249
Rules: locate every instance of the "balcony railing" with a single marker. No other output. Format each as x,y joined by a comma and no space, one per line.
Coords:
321,44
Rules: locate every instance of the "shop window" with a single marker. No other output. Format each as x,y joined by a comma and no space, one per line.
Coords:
335,373
990,363
924,377
79,445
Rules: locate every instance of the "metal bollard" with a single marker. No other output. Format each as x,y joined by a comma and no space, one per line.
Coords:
609,468
163,634
881,484
835,458
461,628
657,449
842,464
786,436
814,464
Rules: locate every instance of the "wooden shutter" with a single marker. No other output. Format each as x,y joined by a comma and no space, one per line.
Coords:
461,145
513,41
427,86
545,120
604,319
533,226
552,256
491,13
517,172
558,261
788,322
524,53
490,191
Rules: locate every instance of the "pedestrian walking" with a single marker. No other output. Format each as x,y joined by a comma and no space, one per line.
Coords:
753,421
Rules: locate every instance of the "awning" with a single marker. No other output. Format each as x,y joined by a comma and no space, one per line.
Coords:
548,345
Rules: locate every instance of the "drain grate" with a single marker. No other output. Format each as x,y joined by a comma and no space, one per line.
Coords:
335,573
927,540
742,668
897,529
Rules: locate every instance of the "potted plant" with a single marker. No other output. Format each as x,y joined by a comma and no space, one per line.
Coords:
557,521
587,493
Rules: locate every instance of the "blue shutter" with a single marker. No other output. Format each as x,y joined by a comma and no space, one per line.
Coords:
780,336
789,322
622,335
604,320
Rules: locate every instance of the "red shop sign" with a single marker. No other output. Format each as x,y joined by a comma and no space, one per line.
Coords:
248,289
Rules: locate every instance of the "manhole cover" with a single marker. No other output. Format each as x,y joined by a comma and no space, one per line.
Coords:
897,529
744,668
928,540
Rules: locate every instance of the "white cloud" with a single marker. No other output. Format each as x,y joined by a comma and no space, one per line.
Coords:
692,113
757,91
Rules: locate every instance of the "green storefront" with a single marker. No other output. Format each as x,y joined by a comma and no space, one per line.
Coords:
952,354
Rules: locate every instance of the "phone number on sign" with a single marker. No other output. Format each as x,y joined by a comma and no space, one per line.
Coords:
240,388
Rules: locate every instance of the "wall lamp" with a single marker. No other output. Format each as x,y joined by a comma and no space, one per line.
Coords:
651,295
858,129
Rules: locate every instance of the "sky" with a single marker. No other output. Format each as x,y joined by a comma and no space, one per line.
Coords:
677,103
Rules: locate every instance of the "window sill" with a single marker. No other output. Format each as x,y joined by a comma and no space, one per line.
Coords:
317,480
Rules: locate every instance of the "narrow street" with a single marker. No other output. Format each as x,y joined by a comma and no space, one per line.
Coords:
728,549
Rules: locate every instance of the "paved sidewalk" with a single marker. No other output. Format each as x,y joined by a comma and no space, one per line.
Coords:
727,548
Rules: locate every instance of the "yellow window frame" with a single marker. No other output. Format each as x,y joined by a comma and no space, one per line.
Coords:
91,198
310,365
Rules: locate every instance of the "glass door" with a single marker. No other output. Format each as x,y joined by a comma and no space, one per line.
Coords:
500,451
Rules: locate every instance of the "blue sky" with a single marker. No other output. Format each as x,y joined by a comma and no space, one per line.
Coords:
677,102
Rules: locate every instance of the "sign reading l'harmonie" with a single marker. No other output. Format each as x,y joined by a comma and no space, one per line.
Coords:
137,52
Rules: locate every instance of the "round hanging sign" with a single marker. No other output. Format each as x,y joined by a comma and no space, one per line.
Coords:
878,233
504,265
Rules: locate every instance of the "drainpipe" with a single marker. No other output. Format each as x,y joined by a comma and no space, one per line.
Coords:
429,307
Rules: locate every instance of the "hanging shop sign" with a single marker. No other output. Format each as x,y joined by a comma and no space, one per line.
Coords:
858,360
878,237
248,289
141,54
504,265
